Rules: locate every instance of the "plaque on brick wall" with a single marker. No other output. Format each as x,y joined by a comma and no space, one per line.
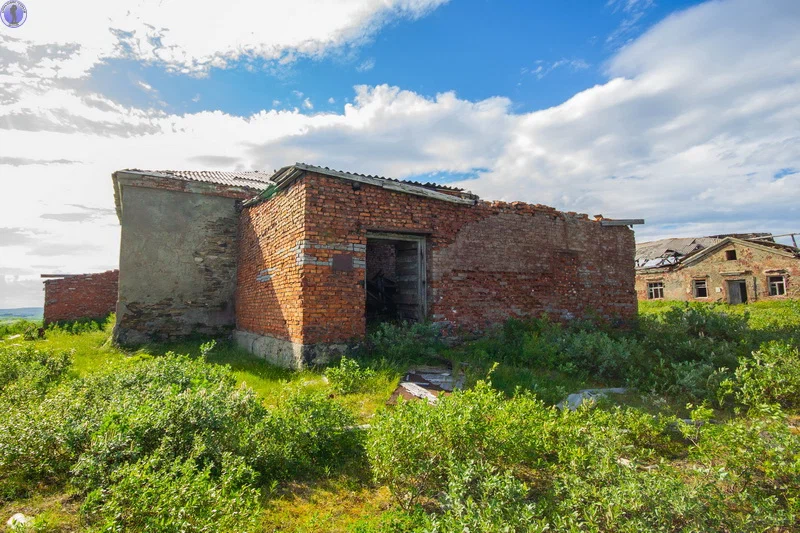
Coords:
342,262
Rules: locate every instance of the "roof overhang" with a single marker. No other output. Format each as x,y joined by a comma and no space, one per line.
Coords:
157,180
284,177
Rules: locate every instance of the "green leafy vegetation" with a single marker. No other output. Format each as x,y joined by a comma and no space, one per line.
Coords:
199,436
17,327
349,377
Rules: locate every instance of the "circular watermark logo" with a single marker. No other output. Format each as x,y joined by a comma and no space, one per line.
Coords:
14,13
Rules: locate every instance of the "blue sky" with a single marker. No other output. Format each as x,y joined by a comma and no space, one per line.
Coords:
683,113
477,48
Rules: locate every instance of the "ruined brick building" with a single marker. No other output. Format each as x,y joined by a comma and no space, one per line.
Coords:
717,269
295,263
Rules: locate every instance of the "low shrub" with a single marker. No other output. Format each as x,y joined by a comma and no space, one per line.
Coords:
178,495
17,327
755,462
307,433
85,430
79,327
772,375
403,343
478,497
31,367
349,377
477,459
173,404
413,447
595,353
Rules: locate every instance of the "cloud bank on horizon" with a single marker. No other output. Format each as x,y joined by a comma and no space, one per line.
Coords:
695,127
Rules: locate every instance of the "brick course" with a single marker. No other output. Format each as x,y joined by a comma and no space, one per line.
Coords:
80,296
485,262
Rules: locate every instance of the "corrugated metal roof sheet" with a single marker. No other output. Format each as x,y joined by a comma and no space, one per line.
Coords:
256,179
427,185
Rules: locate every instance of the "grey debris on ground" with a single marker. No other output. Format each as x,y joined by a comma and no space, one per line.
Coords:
18,519
573,401
428,383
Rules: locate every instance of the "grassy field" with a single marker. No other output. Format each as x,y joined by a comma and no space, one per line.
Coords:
705,440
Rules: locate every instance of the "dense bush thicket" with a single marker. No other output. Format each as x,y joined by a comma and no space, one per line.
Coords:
151,437
173,443
486,463
17,327
684,351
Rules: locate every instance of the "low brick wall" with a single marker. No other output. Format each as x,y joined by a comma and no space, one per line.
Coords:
80,296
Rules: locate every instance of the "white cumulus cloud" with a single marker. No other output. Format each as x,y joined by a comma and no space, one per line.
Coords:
696,129
192,36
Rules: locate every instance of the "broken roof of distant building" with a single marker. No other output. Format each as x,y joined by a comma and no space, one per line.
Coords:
649,251
682,251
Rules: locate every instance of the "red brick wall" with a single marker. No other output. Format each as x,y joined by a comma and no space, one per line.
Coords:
268,292
486,262
80,296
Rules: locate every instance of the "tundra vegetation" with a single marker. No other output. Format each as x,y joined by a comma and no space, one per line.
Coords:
199,436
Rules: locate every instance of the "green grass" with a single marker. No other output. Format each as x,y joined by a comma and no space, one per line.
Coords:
785,313
93,351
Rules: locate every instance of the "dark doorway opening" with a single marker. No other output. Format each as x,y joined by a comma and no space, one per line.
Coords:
737,292
395,278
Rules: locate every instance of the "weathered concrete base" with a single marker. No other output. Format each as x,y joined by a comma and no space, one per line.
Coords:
286,353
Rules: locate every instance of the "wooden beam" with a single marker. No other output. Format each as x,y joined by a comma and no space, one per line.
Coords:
771,236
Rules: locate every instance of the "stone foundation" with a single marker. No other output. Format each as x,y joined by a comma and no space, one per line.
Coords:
286,353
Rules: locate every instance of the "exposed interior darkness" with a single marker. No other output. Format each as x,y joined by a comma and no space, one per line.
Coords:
737,292
395,278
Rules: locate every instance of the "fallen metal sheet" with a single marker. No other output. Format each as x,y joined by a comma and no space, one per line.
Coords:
419,392
427,383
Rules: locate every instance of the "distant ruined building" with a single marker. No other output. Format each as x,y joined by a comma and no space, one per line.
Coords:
294,264
736,268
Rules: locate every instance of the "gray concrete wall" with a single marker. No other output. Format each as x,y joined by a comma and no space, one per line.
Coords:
177,265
